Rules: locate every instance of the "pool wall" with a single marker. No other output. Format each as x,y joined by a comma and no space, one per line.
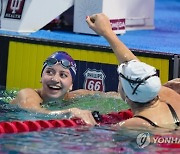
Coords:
21,62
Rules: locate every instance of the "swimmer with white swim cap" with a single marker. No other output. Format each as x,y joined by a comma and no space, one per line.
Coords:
152,104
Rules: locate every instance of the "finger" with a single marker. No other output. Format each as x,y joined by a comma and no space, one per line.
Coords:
90,122
89,119
92,19
89,21
92,119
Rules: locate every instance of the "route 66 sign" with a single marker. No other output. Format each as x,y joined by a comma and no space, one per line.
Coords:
94,80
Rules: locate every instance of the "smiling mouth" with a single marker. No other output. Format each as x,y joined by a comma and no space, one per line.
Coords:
55,87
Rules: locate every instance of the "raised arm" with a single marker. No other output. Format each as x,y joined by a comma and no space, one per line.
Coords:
101,25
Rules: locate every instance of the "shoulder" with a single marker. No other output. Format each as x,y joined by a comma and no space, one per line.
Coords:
83,92
132,123
168,95
28,99
79,92
25,95
174,85
28,92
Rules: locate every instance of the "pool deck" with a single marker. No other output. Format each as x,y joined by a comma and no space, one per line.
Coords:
165,38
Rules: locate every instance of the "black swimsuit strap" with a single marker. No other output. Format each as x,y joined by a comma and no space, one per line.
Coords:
175,117
146,119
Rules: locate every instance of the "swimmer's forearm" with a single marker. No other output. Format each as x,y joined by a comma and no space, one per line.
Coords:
37,108
60,112
121,51
28,106
101,25
45,111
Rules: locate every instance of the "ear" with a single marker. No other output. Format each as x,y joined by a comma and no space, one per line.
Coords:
71,87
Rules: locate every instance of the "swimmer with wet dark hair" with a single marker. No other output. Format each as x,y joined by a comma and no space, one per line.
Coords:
57,76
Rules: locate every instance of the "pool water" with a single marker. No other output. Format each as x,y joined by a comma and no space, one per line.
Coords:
91,102
79,140
82,139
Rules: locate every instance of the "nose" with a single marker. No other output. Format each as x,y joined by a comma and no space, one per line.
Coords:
56,78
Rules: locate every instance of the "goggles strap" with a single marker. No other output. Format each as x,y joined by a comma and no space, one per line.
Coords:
138,82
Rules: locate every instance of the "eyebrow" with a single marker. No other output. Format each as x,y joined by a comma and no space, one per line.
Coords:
65,72
61,71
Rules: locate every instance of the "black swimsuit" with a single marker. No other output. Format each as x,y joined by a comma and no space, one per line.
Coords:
175,117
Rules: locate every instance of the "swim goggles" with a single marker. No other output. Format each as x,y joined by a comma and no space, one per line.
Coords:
137,81
63,62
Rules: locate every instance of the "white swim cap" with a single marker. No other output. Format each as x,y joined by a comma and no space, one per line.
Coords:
139,81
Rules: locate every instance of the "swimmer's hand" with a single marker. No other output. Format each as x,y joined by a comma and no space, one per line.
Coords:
99,23
85,115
